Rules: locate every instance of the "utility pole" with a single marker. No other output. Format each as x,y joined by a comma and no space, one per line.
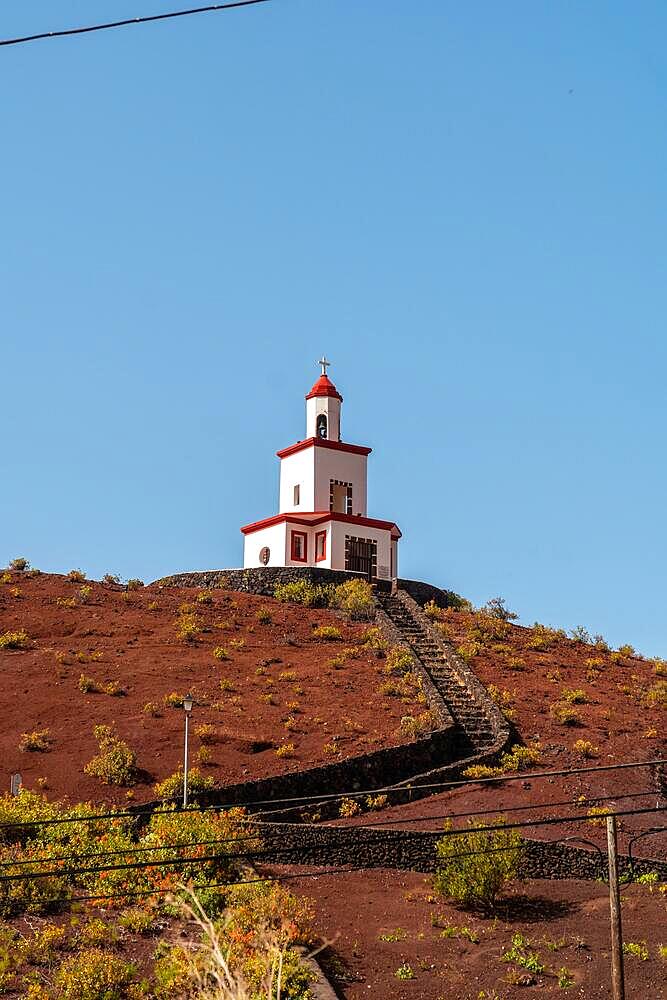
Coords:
617,978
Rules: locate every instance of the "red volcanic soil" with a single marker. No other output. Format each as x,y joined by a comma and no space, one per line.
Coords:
622,717
566,923
624,696
277,673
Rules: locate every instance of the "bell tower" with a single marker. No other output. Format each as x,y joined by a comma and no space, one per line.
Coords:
322,520
323,408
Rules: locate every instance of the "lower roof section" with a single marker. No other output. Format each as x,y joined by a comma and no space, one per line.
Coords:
312,518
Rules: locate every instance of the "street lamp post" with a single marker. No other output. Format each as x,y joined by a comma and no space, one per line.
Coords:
188,702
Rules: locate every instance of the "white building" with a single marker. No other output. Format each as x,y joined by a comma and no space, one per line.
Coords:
323,520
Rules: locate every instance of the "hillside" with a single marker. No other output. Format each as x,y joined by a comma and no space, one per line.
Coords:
268,675
563,691
579,704
277,686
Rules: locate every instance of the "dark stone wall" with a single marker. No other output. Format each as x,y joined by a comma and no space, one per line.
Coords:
263,580
422,593
414,850
375,769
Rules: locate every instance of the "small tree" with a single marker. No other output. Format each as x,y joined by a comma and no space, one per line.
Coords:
497,608
474,866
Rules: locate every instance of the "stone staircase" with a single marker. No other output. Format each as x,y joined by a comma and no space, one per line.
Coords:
481,727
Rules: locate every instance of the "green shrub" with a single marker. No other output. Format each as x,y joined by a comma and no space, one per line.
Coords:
519,758
137,920
221,653
638,949
543,637
355,598
188,627
15,640
207,733
520,954
399,661
585,749
656,696
88,685
116,762
373,639
38,741
37,847
564,714
264,616
134,584
93,974
76,576
303,592
472,878
20,564
327,633
172,787
267,913
416,726
574,696
43,946
230,835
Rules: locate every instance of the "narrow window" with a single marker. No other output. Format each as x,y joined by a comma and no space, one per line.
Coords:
299,546
320,546
321,425
297,495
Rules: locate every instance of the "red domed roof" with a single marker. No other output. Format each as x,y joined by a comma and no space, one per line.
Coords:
324,387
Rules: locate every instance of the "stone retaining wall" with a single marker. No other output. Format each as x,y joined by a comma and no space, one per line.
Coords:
264,579
414,850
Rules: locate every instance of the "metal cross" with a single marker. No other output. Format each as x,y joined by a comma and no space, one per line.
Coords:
325,364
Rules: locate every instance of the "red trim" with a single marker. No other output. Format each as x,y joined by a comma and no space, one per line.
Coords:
293,537
353,449
322,535
314,518
324,387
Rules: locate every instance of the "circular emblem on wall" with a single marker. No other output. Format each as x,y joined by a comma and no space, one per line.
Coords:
265,555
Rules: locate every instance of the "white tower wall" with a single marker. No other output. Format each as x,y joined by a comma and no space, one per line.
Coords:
298,470
274,538
343,467
330,407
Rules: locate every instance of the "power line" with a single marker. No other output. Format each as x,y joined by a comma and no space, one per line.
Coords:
488,812
273,829
333,871
267,831
325,797
268,834
129,21
502,826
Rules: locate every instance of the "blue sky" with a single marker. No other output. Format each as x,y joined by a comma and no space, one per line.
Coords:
463,205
